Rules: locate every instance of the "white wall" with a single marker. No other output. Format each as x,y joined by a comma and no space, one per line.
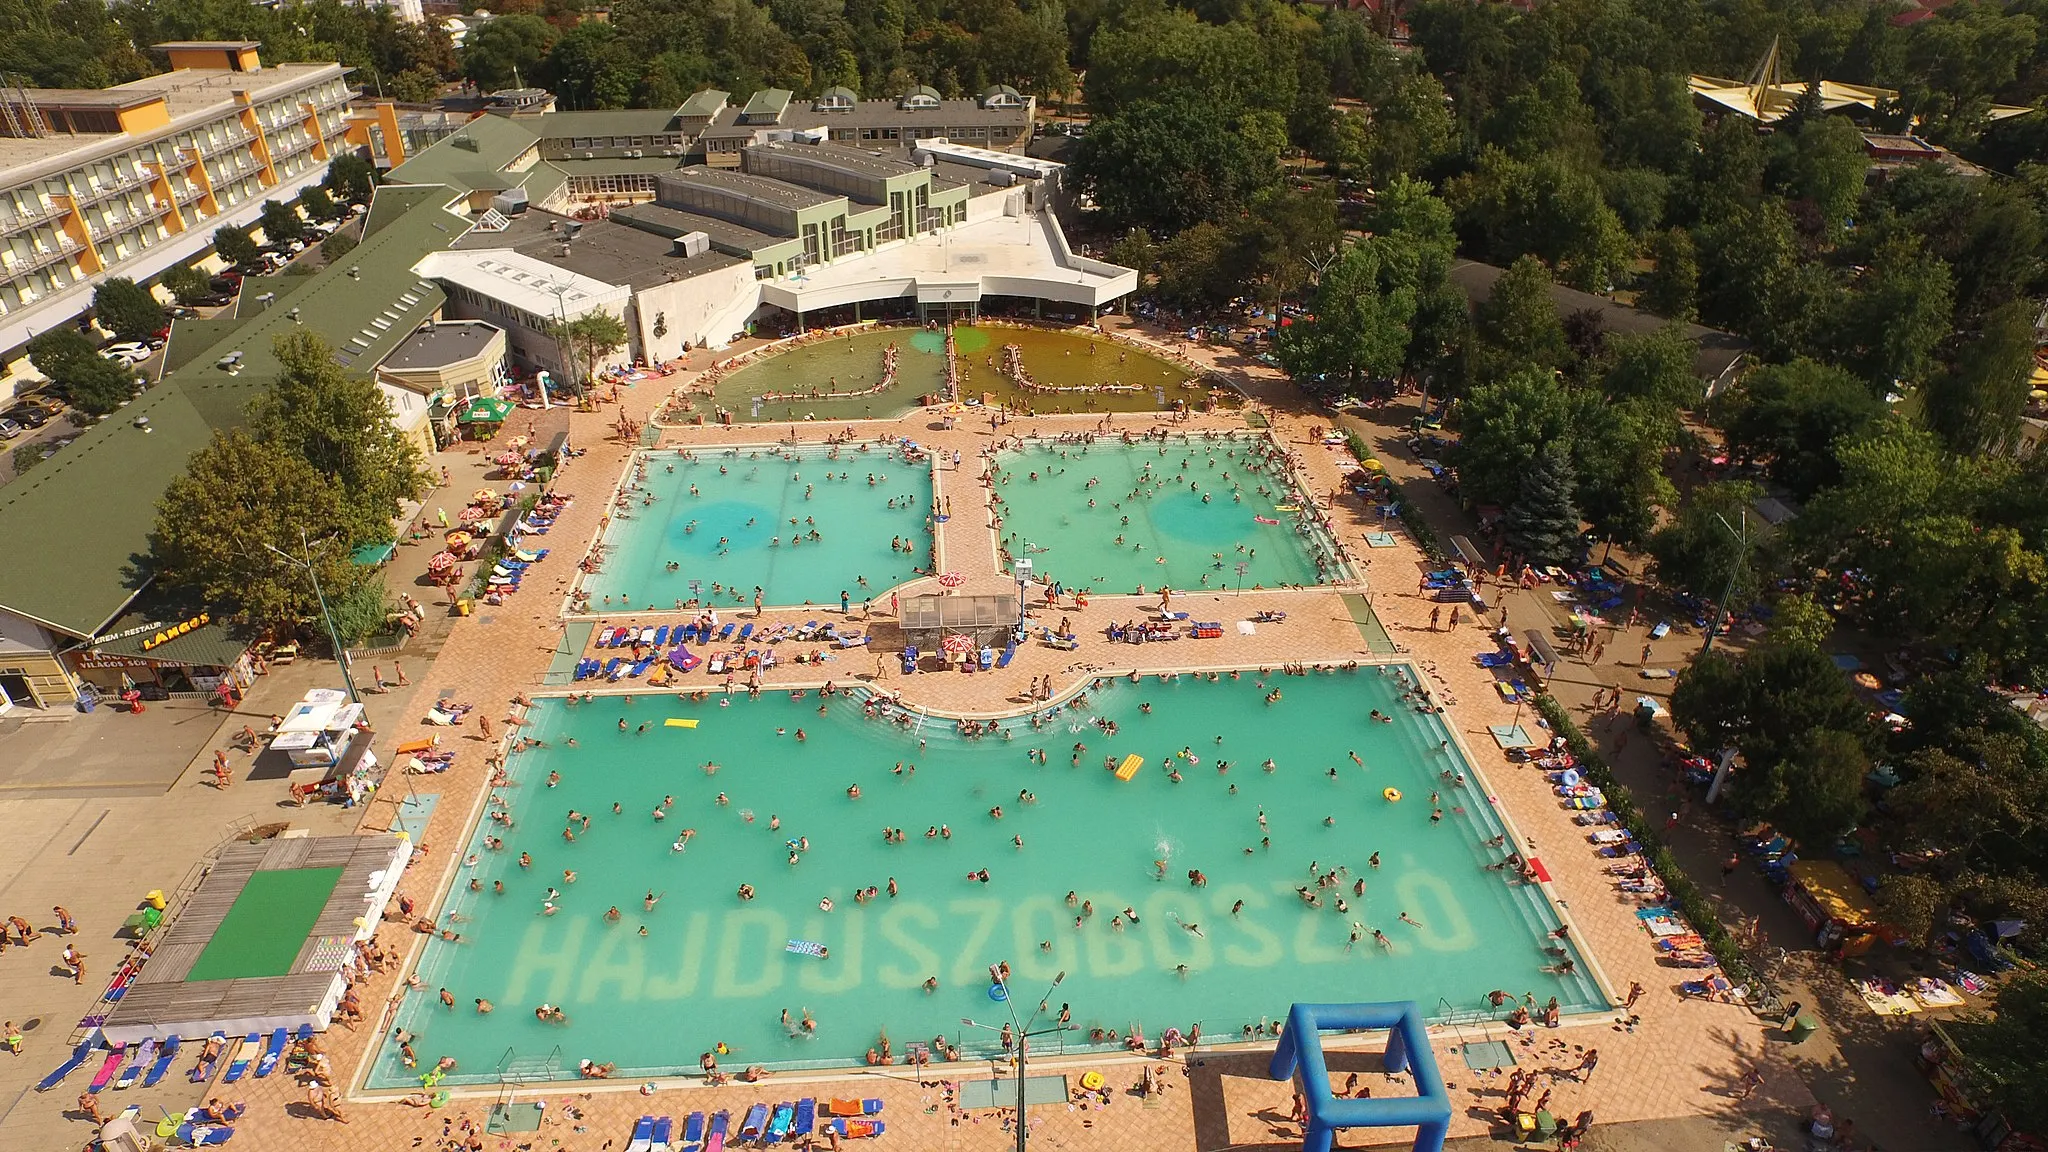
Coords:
702,310
21,633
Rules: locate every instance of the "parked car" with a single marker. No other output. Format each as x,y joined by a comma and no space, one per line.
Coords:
179,312
26,415
9,429
43,402
126,352
226,281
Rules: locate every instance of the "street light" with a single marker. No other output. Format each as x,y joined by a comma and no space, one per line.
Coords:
334,638
1023,1034
1734,570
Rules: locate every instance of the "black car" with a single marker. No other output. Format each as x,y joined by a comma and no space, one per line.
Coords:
27,415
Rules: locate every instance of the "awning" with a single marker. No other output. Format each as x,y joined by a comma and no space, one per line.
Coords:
371,555
208,645
1539,647
485,410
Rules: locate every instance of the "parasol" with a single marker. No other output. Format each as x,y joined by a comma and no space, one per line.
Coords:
1867,680
485,410
951,580
441,562
471,514
459,539
957,645
485,496
507,459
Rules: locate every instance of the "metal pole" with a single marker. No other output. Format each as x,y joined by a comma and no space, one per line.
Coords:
334,638
1728,589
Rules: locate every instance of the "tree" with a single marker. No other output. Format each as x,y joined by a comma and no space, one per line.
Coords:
360,612
1410,128
1894,314
1518,323
1618,449
91,384
1655,366
417,86
240,496
589,338
1976,405
1542,525
1503,427
1672,289
1822,161
127,309
340,425
281,222
590,66
1168,163
318,204
2007,1050
351,177
337,245
1789,417
1797,723
186,283
1359,325
234,245
1798,618
506,51
1699,550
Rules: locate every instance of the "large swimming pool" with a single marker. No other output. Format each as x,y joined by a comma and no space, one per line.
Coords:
712,968
801,524
1188,512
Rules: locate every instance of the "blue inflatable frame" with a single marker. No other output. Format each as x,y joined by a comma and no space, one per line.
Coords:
1301,1049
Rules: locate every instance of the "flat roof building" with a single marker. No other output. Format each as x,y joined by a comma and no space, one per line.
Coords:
129,180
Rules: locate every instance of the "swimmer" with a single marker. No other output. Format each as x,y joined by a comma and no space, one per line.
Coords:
1407,919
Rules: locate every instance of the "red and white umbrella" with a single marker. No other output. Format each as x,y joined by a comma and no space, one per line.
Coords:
951,580
441,562
957,644
508,459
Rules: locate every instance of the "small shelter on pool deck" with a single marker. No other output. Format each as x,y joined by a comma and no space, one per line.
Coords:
987,620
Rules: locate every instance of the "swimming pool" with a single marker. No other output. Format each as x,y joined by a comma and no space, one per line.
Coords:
1203,507
1068,360
713,968
845,363
801,524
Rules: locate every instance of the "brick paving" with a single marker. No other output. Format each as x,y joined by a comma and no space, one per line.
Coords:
1680,1058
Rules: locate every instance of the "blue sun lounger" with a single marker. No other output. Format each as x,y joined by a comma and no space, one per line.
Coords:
611,668
661,636
909,660
755,1124
806,1117
1495,660
1009,653
641,668
726,632
693,1131
663,1127
745,632
243,1057
778,1122
164,1057
687,635
643,1135
272,1053
79,1055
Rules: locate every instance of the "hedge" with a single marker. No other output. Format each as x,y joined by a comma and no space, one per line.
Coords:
1685,895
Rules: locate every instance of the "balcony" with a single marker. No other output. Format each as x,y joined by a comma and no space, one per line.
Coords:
14,266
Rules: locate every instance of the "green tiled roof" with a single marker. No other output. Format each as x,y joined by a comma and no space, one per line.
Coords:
78,526
617,165
705,103
607,122
484,146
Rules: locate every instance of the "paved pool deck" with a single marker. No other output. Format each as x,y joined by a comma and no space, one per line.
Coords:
1679,1058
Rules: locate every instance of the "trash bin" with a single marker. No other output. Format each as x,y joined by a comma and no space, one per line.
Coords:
1800,1029
155,899
464,606
87,702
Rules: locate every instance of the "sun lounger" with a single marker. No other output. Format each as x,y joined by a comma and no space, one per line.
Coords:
683,660
746,632
643,1135
245,1054
726,632
133,1070
755,1124
272,1053
806,1117
164,1056
661,636
693,1129
778,1122
1009,653
857,1129
663,1127
78,1056
640,669
1494,660
1662,630
909,660
836,1107
1619,850
714,1139
107,1070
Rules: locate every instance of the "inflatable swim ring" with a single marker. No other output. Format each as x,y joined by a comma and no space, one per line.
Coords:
996,993
1393,795
1092,1081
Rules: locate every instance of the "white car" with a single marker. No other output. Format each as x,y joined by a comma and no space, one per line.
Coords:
126,352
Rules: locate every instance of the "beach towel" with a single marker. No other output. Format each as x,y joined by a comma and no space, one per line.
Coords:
805,948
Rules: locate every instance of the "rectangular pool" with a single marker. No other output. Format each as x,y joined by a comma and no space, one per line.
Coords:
713,968
800,524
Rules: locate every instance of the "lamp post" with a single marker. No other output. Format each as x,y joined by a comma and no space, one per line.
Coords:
1734,570
1023,1035
334,638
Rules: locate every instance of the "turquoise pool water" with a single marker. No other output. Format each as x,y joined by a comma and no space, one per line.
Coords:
712,968
1201,508
735,530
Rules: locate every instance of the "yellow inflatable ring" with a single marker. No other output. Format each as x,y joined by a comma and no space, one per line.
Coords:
1091,1080
1393,795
